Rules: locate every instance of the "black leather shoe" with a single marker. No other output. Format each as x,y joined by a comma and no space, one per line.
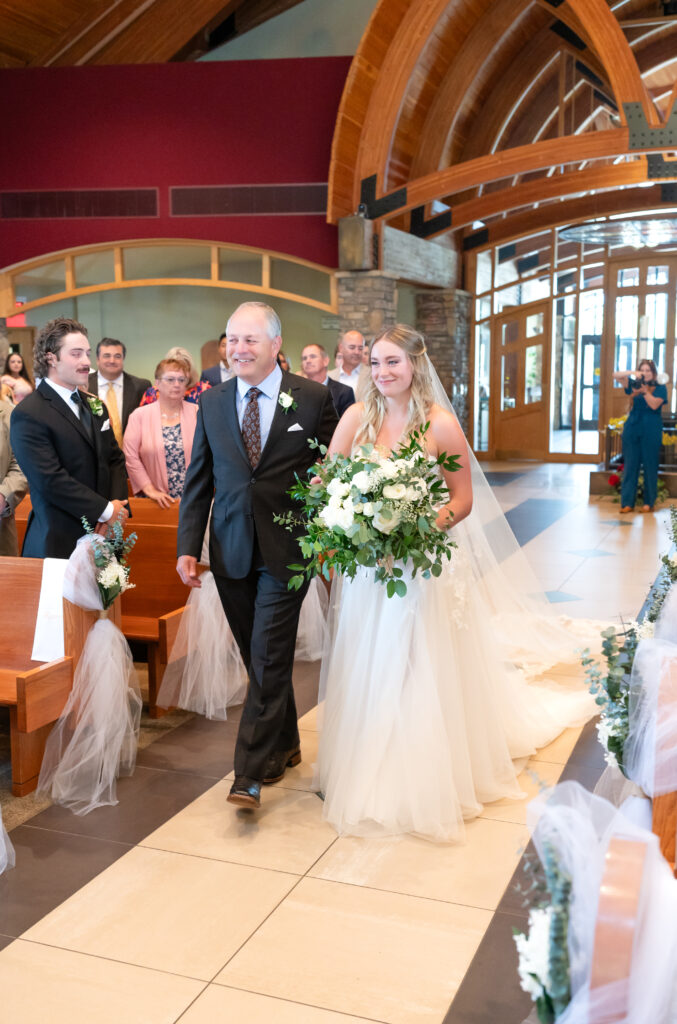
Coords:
277,765
245,792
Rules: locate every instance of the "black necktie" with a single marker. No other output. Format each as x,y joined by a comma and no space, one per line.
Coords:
85,416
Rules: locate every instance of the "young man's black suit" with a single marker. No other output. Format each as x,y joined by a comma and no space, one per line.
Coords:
250,553
71,472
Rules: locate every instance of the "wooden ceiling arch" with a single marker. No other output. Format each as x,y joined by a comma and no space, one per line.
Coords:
501,113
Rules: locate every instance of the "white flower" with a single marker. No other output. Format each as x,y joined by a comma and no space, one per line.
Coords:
394,492
337,488
673,560
534,953
112,575
337,515
646,630
420,484
367,509
387,469
285,400
386,525
412,494
364,481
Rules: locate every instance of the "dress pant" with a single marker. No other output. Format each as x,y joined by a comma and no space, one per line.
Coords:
264,616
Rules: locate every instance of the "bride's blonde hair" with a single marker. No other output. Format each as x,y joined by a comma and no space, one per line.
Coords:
421,398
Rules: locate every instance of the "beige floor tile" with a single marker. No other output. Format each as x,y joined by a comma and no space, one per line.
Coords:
308,722
301,777
559,750
41,983
186,915
373,954
219,1005
287,834
536,776
474,873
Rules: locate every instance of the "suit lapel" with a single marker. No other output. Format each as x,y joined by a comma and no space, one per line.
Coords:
281,418
60,406
229,404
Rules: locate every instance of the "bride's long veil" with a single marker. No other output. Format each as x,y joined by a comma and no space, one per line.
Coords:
532,635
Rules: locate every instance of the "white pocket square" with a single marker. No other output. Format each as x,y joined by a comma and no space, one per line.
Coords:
105,426
294,426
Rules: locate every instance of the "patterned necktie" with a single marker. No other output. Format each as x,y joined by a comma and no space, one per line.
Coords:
251,427
114,413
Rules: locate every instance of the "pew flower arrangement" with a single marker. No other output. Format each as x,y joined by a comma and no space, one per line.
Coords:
611,688
110,558
372,510
543,964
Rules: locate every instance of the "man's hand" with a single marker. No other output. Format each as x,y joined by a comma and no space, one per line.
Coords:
187,570
120,511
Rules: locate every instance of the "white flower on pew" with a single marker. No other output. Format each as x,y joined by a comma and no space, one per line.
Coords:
114,575
534,954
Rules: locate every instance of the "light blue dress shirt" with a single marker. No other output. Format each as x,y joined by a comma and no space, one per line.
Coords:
267,400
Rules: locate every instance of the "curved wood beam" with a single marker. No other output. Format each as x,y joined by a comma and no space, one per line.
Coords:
479,48
570,212
616,55
540,190
537,156
357,92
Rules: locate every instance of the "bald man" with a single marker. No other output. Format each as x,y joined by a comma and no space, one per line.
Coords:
351,347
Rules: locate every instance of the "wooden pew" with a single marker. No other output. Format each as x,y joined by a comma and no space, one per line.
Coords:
158,590
35,692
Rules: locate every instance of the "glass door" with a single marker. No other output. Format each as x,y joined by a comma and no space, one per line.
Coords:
521,382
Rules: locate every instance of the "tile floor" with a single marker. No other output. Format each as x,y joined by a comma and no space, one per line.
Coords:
173,906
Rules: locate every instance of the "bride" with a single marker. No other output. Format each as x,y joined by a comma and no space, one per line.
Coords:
423,708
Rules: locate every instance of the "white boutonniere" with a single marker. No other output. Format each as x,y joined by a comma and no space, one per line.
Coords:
286,401
95,404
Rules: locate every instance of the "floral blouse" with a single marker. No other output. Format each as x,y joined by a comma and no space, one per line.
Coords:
175,459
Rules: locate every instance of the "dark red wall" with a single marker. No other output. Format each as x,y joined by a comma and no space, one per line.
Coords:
215,123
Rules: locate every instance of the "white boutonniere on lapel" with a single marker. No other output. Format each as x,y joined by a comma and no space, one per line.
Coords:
95,404
286,401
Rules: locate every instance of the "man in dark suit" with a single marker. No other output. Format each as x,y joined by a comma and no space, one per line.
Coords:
122,392
250,442
222,372
315,364
65,446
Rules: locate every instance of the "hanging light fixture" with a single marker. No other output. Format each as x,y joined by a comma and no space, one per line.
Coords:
635,232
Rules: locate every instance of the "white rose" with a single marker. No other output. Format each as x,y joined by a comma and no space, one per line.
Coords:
328,515
363,481
285,400
387,469
394,491
412,494
337,488
386,525
367,509
420,484
345,518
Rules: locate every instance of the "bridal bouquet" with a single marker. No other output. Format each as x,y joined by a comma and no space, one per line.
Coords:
110,554
374,511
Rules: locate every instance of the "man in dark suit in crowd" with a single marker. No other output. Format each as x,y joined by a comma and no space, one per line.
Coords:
222,372
122,392
65,446
315,364
250,442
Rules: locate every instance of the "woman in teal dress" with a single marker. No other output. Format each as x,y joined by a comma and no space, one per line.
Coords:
642,434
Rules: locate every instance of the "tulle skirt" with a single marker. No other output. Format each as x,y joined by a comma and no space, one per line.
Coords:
422,717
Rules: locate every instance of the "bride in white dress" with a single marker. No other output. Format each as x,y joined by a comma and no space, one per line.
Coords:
424,702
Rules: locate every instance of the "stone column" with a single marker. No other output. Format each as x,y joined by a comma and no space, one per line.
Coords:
367,301
443,316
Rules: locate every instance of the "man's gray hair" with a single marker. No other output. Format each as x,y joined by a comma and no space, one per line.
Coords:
316,344
273,325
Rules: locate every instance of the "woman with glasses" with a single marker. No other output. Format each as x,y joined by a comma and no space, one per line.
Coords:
159,437
194,387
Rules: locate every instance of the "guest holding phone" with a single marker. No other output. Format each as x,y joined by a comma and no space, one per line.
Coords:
642,433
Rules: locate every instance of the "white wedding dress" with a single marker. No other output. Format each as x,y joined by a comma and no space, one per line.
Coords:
425,703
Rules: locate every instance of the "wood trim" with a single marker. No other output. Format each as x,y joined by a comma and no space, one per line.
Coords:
265,271
214,262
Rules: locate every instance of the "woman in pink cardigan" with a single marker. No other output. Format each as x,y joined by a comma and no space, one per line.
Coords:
159,437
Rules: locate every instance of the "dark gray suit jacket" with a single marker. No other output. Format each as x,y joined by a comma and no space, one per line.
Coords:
133,389
245,500
342,395
70,474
